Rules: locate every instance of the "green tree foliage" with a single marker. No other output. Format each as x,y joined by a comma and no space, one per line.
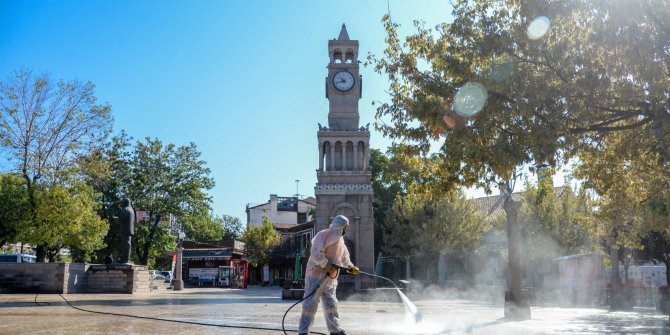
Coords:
558,219
385,189
425,223
554,222
203,226
232,227
67,216
14,208
496,93
44,126
544,97
259,241
161,180
157,237
632,188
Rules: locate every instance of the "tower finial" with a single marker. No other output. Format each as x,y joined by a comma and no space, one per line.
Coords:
343,34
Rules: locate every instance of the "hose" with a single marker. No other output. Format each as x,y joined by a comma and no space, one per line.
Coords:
39,303
305,298
283,329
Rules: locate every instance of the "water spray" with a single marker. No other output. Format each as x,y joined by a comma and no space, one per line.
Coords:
409,305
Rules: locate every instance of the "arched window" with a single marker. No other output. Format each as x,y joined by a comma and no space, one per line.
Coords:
338,156
337,56
326,157
350,156
349,57
361,156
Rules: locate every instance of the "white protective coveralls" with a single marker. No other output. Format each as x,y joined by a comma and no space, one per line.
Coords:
327,248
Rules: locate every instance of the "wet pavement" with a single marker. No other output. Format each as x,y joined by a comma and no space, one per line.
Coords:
263,307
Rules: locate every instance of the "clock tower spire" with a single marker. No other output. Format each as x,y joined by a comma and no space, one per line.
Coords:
344,184
343,84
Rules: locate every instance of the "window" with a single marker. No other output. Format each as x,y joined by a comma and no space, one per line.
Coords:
287,204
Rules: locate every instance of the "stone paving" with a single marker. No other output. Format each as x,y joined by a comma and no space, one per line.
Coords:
263,307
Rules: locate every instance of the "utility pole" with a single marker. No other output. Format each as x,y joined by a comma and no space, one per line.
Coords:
297,185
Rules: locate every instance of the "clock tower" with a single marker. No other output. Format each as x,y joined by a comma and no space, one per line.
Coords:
344,185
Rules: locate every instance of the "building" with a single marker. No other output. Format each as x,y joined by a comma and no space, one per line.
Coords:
344,184
203,259
289,260
281,211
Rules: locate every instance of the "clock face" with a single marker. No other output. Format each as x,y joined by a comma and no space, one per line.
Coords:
343,81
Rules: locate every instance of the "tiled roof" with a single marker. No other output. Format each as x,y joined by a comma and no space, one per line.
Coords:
492,205
291,227
310,200
213,245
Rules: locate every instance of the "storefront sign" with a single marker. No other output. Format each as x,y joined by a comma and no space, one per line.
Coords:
203,272
266,273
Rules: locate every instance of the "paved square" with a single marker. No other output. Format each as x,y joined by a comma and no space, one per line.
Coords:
263,307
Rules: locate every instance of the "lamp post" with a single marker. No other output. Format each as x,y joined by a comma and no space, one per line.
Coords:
178,283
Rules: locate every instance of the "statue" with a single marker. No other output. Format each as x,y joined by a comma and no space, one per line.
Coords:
126,216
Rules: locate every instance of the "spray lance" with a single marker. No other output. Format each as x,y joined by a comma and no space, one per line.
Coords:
408,304
334,272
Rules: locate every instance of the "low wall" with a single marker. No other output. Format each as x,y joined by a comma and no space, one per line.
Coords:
118,278
42,277
73,278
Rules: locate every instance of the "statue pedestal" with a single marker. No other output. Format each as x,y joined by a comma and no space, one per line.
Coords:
118,278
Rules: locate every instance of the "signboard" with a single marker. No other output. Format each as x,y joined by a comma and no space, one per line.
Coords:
174,261
203,272
266,273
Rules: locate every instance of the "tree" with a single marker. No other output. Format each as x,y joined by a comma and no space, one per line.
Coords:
385,189
14,208
67,217
154,235
502,90
554,222
259,241
633,195
203,226
44,125
161,180
232,227
426,223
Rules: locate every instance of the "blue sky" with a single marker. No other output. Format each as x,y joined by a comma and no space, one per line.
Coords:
241,79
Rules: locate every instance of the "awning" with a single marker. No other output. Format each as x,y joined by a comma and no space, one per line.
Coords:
206,255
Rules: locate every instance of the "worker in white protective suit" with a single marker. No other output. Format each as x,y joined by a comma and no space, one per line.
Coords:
327,255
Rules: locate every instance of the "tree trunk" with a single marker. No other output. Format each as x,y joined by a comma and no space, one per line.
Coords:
41,253
517,306
2,243
618,300
144,257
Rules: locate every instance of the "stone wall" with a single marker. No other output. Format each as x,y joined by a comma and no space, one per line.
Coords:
73,278
118,278
31,277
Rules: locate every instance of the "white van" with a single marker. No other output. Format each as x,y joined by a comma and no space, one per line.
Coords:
17,258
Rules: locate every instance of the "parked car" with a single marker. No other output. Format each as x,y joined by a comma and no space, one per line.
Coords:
156,275
167,275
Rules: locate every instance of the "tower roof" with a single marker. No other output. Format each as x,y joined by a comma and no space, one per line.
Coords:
343,34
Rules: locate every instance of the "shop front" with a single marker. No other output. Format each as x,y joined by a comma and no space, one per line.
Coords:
215,263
